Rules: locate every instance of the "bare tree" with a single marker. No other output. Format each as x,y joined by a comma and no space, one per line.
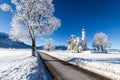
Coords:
49,44
32,18
101,41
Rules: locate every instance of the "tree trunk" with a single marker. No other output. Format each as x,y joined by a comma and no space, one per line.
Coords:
102,48
33,48
98,48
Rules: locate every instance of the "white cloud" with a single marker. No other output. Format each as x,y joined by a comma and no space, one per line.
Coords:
5,7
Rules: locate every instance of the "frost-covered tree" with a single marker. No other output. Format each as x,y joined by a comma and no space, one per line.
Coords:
32,18
49,44
101,41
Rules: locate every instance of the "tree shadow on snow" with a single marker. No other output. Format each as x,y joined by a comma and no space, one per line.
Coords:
43,70
33,76
110,60
34,73
78,60
95,52
39,72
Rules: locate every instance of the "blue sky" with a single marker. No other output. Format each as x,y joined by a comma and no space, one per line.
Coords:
93,15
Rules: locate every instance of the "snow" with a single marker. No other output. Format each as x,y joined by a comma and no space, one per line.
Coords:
18,64
106,64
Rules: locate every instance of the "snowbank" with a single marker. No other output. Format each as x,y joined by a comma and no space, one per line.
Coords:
105,64
18,64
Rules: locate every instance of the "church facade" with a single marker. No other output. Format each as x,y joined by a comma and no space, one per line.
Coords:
77,44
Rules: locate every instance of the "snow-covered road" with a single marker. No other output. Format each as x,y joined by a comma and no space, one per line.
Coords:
61,70
105,64
20,65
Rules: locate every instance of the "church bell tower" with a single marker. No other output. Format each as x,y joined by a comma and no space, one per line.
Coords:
84,39
83,34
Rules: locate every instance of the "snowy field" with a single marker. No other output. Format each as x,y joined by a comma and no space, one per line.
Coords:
106,64
18,64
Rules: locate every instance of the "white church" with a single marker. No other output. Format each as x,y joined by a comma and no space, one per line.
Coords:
77,44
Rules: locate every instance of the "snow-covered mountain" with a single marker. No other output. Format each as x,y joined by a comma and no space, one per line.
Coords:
58,47
61,47
6,42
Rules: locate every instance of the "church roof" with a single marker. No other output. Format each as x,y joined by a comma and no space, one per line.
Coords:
83,29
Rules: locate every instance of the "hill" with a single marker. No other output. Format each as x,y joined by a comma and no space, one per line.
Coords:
6,42
58,47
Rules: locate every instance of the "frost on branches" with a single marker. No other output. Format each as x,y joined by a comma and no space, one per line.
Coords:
101,42
32,18
5,7
49,44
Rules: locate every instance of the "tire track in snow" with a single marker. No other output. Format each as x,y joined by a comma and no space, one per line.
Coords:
19,67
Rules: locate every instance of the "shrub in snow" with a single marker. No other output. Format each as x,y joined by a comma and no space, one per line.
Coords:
49,44
32,18
100,42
